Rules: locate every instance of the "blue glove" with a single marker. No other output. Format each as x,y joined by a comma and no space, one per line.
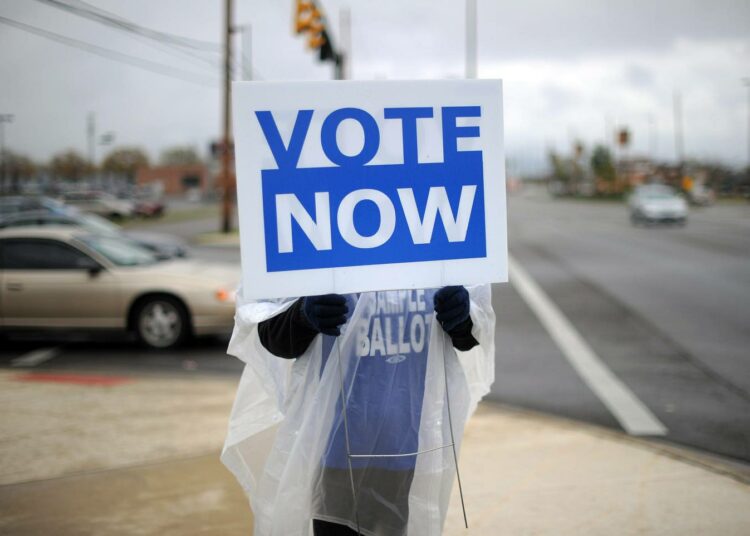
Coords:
325,313
452,307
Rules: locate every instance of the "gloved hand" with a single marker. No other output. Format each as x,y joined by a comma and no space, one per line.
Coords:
452,307
325,313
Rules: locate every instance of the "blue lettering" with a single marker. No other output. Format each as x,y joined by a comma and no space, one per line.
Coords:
331,147
286,157
353,214
409,118
451,132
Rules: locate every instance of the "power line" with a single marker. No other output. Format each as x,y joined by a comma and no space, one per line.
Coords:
90,11
159,39
165,46
134,61
104,17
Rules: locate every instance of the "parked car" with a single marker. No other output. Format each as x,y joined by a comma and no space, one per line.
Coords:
657,203
145,203
100,203
148,208
163,246
63,277
14,204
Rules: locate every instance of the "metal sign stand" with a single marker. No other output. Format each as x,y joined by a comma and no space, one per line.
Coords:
349,454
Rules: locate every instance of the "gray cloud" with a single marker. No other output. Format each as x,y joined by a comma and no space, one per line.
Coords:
638,76
583,60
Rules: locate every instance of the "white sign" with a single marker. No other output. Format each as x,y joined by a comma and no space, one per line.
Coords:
358,186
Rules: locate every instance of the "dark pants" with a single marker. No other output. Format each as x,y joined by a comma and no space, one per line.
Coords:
382,496
324,528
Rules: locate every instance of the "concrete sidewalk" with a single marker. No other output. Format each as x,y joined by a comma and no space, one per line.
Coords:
531,474
140,456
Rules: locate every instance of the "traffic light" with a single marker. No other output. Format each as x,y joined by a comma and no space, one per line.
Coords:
308,20
326,52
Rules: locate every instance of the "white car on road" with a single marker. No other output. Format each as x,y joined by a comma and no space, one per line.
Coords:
657,203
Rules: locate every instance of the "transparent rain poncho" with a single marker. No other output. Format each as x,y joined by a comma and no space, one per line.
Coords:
287,441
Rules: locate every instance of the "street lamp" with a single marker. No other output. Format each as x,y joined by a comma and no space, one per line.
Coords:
107,138
4,118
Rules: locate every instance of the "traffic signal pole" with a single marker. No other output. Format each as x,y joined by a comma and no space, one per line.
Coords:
338,68
343,58
226,177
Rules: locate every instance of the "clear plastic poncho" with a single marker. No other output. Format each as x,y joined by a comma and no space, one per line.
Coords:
287,441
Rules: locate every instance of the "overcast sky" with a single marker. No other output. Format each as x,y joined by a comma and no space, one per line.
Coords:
569,69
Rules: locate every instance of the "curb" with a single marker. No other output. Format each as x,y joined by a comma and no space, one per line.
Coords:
216,240
734,469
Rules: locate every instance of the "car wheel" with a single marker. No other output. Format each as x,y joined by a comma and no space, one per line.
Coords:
162,322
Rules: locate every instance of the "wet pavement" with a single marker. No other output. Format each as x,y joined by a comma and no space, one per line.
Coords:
140,455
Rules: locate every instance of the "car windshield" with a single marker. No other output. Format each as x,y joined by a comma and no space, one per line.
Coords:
98,225
120,251
656,192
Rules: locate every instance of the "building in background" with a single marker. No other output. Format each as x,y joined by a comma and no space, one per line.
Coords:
188,180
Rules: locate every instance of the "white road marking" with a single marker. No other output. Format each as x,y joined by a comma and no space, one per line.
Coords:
630,412
35,357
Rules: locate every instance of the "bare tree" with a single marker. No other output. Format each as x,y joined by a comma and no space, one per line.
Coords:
70,165
179,156
124,161
18,167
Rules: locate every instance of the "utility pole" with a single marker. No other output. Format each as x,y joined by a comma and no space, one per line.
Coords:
678,141
471,39
4,118
652,141
91,135
226,178
746,82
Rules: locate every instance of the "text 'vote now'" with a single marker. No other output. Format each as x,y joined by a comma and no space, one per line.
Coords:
352,214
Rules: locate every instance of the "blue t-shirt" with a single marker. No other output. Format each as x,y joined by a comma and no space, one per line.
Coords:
386,390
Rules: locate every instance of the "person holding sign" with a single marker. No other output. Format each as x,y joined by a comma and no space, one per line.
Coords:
384,352
384,403
352,405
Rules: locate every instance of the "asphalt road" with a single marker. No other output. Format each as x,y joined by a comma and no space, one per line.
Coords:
665,310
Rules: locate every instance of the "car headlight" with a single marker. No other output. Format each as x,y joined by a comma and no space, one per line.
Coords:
224,295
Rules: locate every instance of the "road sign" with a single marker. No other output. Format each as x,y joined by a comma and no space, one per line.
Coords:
358,186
